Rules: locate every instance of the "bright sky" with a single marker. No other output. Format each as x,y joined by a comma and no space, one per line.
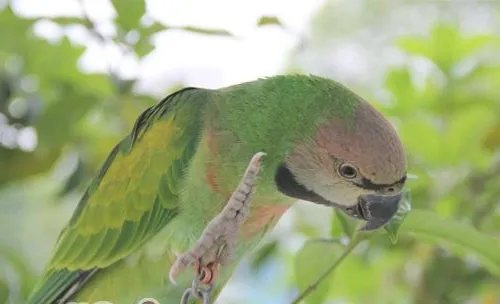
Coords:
195,59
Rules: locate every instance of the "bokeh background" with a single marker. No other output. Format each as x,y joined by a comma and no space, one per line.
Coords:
74,75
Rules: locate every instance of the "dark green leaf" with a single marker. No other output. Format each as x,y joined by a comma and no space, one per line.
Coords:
395,223
492,138
4,291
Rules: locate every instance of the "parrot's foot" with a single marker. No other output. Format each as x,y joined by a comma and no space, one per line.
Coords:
216,245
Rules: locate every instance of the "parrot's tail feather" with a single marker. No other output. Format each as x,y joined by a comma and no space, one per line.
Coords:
76,285
59,286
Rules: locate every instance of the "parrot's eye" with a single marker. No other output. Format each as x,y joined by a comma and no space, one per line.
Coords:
348,171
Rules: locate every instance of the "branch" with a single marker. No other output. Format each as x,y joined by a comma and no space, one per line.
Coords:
357,238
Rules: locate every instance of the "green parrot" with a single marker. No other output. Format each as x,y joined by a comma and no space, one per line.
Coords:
163,189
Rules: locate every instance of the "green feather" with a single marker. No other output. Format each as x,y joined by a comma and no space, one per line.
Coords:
122,207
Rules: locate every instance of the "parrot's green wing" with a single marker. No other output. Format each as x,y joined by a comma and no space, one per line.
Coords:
133,196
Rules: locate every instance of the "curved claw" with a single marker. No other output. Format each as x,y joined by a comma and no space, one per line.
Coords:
209,273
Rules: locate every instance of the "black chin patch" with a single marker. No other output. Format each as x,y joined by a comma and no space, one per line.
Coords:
289,186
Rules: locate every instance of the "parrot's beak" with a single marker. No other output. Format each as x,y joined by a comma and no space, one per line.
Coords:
377,210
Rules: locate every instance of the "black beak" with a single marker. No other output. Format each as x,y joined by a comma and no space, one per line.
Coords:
377,210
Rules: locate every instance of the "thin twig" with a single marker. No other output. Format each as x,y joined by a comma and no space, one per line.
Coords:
350,247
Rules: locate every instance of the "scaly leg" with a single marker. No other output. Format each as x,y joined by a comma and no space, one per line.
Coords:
216,245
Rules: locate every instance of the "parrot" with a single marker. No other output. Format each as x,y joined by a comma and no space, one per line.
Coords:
176,190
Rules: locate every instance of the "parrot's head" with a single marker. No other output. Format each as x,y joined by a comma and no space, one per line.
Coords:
357,164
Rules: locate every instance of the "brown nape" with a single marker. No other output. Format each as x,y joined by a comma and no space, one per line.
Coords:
370,143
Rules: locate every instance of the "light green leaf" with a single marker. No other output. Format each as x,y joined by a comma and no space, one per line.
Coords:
460,237
421,136
269,20
27,276
147,31
67,112
341,225
129,13
395,223
407,98
199,30
472,44
143,47
17,28
465,131
415,46
311,261
263,254
53,62
446,45
68,20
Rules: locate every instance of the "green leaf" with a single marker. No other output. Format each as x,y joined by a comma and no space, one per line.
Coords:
17,164
466,129
129,13
491,140
17,28
27,276
460,237
415,46
446,46
198,30
4,291
143,47
421,136
67,112
311,261
54,62
147,31
263,254
395,223
407,98
470,45
269,20
341,224
68,20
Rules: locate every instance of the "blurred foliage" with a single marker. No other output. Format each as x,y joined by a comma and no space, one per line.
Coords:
54,118
449,123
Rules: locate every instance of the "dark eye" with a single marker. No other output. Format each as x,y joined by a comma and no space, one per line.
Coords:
348,171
